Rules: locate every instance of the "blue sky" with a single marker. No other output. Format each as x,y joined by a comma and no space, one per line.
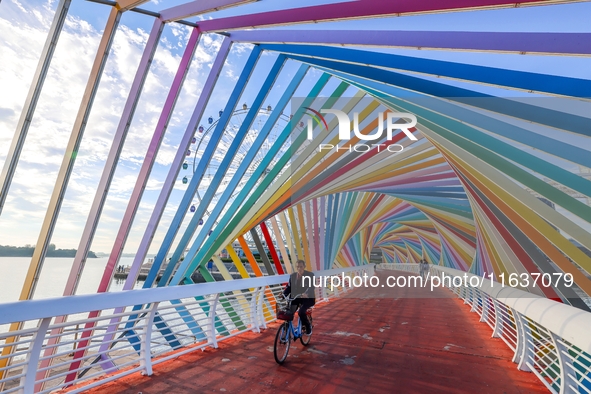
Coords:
24,24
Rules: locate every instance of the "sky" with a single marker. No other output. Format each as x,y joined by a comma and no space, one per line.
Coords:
23,28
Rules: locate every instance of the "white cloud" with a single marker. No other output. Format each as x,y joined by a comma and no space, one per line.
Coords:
23,31
20,6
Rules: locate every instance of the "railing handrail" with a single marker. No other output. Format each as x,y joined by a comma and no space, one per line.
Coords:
195,316
59,306
566,321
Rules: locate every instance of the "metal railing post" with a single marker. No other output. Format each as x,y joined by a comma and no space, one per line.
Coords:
474,294
30,369
565,364
212,313
254,312
261,314
485,307
466,293
498,328
524,347
146,341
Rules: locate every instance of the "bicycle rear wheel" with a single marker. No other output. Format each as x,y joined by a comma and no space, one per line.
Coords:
305,338
282,343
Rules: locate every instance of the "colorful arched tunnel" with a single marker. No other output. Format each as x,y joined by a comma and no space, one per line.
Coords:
493,179
483,186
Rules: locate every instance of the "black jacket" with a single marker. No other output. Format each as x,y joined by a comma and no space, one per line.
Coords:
294,288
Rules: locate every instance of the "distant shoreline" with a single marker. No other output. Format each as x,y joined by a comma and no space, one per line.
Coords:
27,251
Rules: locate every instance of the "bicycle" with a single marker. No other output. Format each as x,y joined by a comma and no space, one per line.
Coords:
287,332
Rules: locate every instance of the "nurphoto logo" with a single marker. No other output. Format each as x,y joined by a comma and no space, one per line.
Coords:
393,120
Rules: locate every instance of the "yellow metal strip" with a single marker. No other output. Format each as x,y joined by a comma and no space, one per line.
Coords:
237,262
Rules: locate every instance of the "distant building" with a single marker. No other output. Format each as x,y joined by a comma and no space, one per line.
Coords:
375,256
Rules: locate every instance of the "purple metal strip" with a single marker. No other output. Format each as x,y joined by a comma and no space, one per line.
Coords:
197,7
113,157
149,160
316,220
322,226
107,176
551,43
353,9
142,180
170,180
310,226
177,162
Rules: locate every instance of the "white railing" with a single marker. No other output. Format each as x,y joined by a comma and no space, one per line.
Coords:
548,338
43,355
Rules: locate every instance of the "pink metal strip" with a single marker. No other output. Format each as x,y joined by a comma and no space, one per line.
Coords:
177,162
169,183
316,220
309,228
138,191
105,182
353,9
323,264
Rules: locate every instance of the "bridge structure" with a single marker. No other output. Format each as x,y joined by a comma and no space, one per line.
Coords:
480,172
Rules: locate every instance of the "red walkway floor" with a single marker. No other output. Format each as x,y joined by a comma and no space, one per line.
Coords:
372,340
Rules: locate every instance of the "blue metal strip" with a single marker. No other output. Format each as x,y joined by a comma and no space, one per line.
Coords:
219,326
221,171
191,323
553,84
178,160
166,332
246,162
553,172
503,150
250,184
203,163
544,116
499,127
244,165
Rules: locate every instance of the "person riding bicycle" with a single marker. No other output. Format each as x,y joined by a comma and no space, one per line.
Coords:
298,285
423,268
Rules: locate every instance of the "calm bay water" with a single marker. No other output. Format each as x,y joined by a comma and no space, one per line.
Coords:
54,275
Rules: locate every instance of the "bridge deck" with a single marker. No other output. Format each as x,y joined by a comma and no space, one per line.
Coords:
371,340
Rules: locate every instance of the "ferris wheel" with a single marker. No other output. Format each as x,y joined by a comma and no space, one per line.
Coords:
203,136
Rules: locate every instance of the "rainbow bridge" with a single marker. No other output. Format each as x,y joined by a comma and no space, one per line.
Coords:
357,144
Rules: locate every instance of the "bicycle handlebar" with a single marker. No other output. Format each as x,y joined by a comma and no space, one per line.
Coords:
292,298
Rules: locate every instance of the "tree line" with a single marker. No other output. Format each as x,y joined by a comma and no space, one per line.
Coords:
27,251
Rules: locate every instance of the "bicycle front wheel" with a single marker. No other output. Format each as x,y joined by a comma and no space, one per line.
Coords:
282,343
305,338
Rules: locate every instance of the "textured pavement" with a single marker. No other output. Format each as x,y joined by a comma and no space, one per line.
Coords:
371,340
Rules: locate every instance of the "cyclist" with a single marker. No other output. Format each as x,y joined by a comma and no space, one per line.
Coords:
424,268
296,286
